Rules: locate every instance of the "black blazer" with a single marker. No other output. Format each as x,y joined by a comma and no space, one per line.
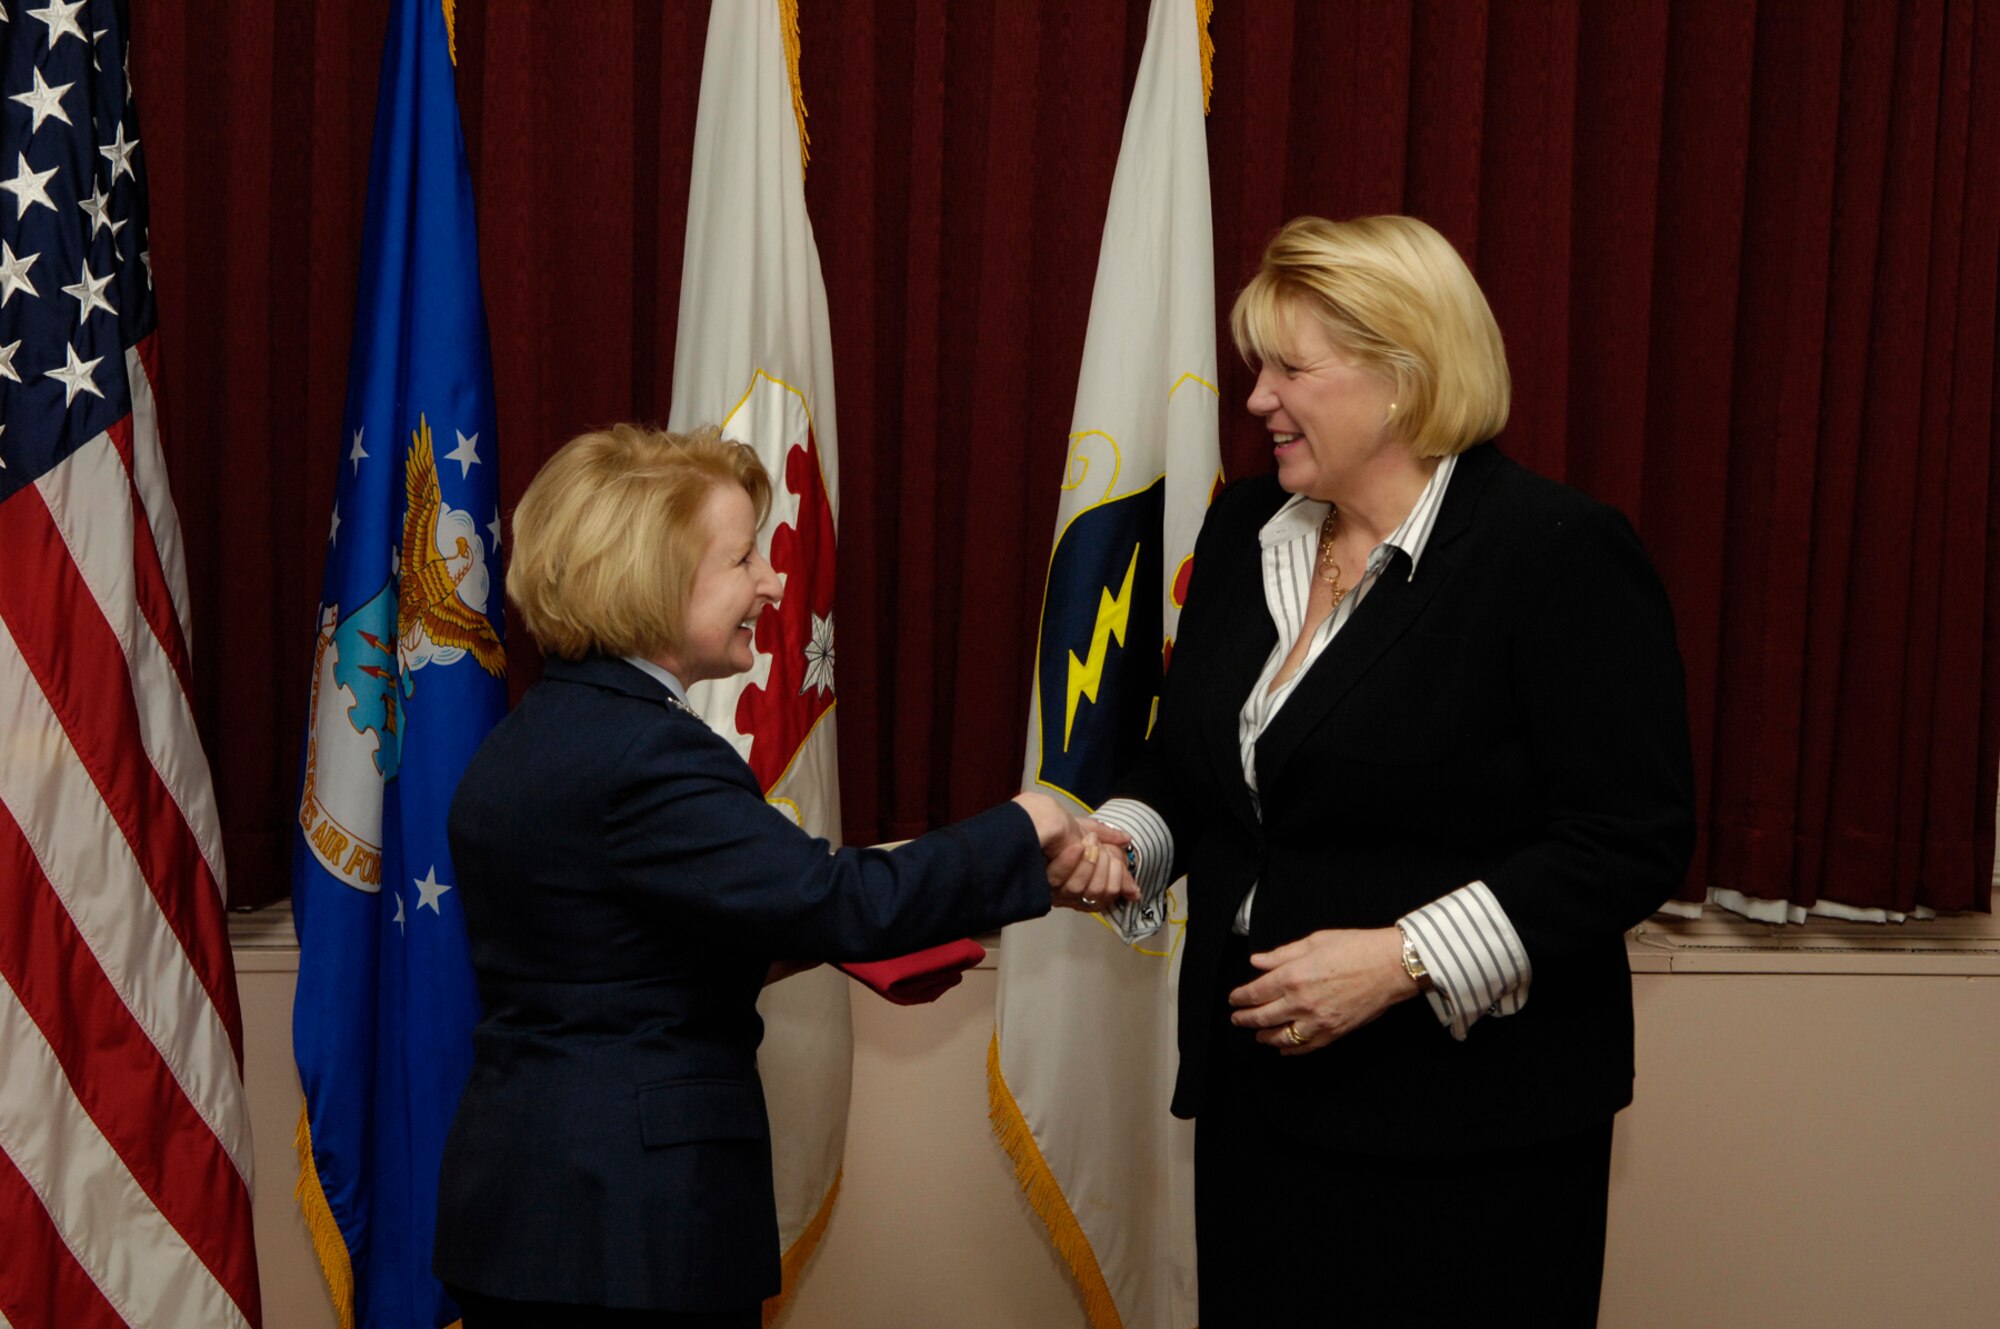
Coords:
626,887
1514,713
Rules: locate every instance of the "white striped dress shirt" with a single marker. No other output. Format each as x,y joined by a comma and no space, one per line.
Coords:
1474,955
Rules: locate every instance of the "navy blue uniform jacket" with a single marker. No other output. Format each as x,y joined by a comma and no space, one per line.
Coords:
626,888
1513,713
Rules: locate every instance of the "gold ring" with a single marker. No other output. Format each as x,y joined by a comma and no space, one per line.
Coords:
1292,1032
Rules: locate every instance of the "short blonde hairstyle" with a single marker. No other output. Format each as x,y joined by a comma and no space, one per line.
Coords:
1395,295
609,535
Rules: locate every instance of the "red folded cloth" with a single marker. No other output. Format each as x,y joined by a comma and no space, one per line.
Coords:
921,976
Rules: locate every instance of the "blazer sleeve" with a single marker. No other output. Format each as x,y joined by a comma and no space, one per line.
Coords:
1158,779
687,828
1597,675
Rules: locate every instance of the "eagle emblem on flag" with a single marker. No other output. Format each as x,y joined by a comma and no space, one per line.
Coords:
436,610
429,609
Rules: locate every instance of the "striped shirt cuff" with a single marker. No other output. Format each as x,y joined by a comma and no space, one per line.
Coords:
1154,844
1473,954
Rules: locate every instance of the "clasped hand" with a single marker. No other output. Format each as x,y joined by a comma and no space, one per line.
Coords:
1086,858
1322,987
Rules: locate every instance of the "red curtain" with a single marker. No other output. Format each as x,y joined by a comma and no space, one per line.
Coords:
1744,256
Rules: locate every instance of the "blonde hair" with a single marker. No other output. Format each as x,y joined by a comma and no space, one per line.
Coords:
609,534
1394,294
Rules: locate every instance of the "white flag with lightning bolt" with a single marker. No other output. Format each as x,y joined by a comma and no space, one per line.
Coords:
1116,1189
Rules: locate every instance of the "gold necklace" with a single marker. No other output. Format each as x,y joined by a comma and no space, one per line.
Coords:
1328,570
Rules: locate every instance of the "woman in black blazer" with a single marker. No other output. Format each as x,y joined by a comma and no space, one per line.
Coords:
628,892
1423,757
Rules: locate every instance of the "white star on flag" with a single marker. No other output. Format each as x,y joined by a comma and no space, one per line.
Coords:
494,526
29,187
7,361
61,20
357,456
14,273
89,293
466,454
398,920
333,535
43,102
819,656
75,376
98,208
430,888
119,153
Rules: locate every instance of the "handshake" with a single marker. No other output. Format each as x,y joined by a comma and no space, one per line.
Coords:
1087,860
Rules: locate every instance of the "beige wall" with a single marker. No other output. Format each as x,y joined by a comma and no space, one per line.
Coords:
1808,1148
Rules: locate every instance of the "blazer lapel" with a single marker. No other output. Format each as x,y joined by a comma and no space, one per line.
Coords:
1392,606
1250,634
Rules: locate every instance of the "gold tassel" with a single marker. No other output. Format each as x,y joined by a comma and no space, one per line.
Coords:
795,1259
788,22
451,29
1045,1196
1204,10
327,1242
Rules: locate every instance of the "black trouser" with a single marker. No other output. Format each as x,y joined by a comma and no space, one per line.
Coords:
483,1312
1294,1231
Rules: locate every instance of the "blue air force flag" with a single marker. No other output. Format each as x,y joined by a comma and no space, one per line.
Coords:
408,676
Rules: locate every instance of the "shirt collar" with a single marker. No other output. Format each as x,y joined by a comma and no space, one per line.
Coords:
673,684
1300,518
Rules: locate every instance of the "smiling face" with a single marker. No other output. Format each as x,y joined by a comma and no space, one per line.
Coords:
1329,415
733,584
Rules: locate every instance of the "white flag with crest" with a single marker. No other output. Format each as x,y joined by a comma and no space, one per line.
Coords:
753,354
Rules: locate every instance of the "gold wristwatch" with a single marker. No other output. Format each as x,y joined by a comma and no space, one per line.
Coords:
1413,964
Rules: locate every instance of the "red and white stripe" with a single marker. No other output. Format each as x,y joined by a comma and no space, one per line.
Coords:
124,1131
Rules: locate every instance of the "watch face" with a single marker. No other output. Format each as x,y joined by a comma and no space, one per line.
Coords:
1413,965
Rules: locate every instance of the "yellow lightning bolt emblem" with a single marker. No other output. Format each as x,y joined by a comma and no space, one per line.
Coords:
1113,612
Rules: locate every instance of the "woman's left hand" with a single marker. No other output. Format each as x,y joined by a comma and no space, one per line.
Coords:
1322,987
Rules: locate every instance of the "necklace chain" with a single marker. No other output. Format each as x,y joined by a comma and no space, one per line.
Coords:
1328,569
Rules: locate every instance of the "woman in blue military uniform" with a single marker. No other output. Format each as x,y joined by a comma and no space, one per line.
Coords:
629,892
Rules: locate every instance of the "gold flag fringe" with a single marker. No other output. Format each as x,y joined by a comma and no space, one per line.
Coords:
801,1251
1045,1195
327,1242
788,23
451,28
1204,10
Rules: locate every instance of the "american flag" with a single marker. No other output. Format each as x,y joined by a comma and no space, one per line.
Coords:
124,1133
